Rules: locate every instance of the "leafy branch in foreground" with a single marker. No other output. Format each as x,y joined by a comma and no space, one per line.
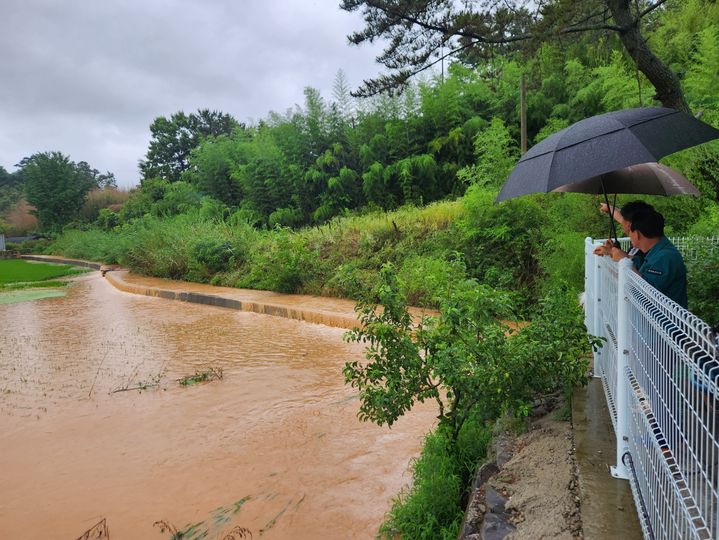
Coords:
466,358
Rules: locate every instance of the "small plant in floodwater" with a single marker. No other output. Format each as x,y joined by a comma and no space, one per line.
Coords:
154,382
210,374
99,530
200,530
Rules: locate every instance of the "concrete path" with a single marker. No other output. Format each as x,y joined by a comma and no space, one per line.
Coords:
607,506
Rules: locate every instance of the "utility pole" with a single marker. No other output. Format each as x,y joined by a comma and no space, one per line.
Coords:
523,116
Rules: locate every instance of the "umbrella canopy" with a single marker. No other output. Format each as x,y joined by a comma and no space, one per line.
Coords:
604,143
645,178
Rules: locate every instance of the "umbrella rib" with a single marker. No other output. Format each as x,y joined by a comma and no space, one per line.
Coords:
604,133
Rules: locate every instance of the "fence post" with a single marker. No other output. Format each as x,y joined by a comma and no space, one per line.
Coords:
620,392
596,263
588,285
590,296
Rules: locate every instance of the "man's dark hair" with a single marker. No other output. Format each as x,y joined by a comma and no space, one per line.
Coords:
648,222
631,208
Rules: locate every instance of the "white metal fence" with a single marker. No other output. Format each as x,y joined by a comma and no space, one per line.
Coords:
659,366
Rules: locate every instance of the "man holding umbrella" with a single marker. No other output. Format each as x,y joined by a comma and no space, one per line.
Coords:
624,217
662,266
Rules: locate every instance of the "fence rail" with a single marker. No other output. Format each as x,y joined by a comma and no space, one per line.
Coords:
659,367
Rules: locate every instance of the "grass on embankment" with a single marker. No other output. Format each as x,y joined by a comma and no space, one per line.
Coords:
18,273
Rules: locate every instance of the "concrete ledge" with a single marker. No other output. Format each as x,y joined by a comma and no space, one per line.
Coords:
337,320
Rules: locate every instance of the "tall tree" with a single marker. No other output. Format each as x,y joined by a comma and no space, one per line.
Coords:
56,187
173,139
10,189
101,180
341,95
421,33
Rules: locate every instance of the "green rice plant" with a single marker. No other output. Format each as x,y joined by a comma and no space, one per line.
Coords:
18,270
33,285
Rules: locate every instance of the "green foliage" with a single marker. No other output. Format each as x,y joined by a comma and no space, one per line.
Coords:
211,169
173,139
496,154
561,258
11,189
178,198
205,375
56,187
431,507
39,245
209,257
475,368
464,358
92,244
703,283
423,279
619,86
501,242
285,217
280,262
702,78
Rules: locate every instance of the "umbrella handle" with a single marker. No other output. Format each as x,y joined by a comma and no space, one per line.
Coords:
610,208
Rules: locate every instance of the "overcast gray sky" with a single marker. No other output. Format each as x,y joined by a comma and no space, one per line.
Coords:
87,77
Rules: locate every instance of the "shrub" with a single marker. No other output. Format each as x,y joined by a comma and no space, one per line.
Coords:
501,242
432,507
107,219
351,280
703,284
423,279
157,247
281,262
561,258
208,257
91,245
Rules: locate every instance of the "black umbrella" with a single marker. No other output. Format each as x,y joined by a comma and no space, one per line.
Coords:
645,178
604,143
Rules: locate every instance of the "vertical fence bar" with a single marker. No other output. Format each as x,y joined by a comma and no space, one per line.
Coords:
590,276
597,330
620,391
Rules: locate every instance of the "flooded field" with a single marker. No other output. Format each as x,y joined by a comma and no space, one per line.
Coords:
274,448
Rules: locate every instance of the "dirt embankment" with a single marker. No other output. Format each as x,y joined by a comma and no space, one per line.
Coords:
531,491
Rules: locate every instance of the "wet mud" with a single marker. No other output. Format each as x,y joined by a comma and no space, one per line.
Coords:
273,448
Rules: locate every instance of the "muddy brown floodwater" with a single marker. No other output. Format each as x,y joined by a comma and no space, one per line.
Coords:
275,447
